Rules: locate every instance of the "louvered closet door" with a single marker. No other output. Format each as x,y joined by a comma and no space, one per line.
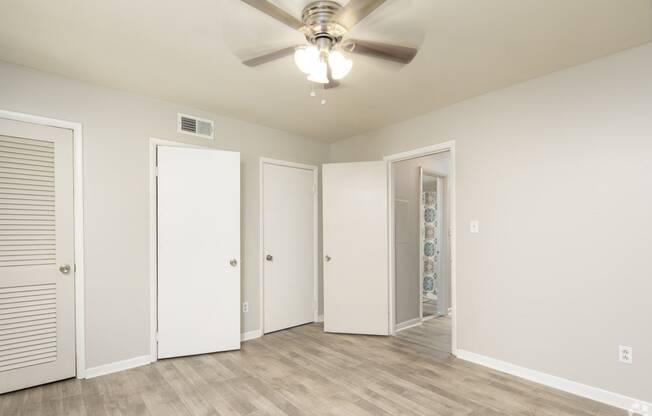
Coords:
37,336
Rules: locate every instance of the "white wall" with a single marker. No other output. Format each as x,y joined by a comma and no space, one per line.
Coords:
558,171
117,127
405,175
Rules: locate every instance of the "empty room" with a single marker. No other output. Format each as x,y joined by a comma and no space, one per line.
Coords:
349,207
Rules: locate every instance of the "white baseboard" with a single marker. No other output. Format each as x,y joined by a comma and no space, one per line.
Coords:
569,386
118,366
407,324
246,336
320,318
144,360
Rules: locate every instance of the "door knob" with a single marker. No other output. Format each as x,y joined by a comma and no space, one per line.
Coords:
65,269
328,258
233,262
269,257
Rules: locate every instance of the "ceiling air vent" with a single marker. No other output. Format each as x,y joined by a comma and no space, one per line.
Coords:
195,126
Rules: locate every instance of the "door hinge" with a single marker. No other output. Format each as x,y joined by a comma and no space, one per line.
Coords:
156,337
156,171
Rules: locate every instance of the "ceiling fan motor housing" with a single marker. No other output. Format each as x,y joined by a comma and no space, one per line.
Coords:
320,25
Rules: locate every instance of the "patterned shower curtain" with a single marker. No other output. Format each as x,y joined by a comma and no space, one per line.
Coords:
430,243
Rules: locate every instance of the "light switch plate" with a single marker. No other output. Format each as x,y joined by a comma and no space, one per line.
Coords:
475,226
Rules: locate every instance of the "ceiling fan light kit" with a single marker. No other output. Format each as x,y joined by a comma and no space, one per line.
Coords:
325,25
315,63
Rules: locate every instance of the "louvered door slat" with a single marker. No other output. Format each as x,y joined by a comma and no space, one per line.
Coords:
32,296
26,161
26,173
28,360
8,178
28,141
13,352
34,187
12,148
28,217
24,364
27,199
15,301
16,239
21,226
25,154
27,344
36,255
25,191
28,288
33,306
15,318
33,332
25,148
12,355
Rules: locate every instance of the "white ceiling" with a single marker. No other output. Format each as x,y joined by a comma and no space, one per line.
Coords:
188,52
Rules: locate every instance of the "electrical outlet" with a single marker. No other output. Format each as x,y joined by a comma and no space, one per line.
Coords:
475,226
245,307
625,354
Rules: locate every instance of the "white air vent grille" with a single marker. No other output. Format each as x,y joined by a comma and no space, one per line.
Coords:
28,325
195,126
27,220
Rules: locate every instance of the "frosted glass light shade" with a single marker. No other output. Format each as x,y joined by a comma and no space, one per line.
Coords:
306,58
319,74
340,65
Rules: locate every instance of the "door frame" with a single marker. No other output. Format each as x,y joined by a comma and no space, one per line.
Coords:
153,239
448,146
261,234
78,225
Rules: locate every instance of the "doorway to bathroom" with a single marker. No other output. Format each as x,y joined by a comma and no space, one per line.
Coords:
422,257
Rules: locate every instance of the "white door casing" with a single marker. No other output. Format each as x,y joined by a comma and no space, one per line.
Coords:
355,233
37,309
289,207
198,251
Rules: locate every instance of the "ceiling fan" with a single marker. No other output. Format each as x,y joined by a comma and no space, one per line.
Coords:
325,25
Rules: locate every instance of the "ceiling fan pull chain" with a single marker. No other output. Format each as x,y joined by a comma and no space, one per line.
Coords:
323,94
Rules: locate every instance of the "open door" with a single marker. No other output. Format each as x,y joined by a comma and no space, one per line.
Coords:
198,251
355,228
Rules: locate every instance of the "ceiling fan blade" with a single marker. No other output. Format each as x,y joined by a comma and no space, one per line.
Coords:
355,11
275,12
268,57
395,53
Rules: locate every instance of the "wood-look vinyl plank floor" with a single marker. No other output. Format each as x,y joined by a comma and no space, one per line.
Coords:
304,371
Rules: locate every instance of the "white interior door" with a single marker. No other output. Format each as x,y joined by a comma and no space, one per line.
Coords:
356,274
37,323
198,251
288,246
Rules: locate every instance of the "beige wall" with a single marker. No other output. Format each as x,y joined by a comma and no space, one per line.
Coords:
117,127
558,171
